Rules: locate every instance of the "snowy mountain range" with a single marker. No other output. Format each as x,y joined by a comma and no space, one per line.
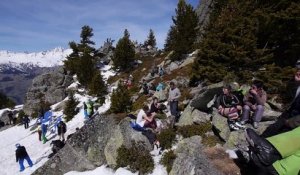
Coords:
22,62
18,69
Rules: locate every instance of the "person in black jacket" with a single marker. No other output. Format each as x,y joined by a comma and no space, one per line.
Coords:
290,118
26,121
61,129
229,106
21,154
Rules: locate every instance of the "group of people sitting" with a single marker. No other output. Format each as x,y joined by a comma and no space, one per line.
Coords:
238,107
277,150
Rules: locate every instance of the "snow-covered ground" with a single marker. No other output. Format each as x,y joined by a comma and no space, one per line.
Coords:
39,152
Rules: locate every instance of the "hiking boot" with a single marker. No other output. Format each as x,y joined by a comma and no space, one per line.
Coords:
243,122
255,125
233,127
238,124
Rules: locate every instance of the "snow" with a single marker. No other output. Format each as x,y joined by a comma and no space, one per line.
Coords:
43,59
39,152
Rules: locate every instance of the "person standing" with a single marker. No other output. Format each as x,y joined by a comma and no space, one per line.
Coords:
44,131
10,117
85,110
90,108
174,95
26,121
61,130
39,130
254,100
22,154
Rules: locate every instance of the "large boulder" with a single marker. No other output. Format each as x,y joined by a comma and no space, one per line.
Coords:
205,95
173,66
191,115
84,150
190,159
220,125
123,135
187,61
237,138
49,87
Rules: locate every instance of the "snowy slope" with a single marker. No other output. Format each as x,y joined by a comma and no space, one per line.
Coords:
48,58
39,152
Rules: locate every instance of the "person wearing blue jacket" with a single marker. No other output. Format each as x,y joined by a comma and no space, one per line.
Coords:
22,154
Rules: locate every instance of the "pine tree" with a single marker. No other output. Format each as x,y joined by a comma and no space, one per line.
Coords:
230,45
184,32
124,53
83,58
98,87
120,100
151,41
70,109
169,43
5,102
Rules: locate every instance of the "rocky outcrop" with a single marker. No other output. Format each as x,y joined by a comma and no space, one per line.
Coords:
123,135
95,144
205,95
190,159
191,116
49,87
220,125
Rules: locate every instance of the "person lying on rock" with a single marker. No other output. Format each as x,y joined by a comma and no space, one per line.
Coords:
290,118
230,107
254,100
145,118
276,155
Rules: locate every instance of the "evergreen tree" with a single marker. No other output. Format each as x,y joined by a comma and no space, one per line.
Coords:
230,45
5,102
170,40
98,87
124,53
70,109
151,41
83,58
184,32
120,100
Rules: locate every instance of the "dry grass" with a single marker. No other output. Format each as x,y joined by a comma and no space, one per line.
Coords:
220,159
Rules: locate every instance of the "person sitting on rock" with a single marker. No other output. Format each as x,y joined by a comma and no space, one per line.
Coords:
56,146
230,107
290,118
145,87
254,100
146,119
276,155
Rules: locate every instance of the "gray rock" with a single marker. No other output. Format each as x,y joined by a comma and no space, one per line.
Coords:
270,115
190,159
220,125
161,95
84,150
189,60
205,95
173,66
123,135
49,87
134,98
191,115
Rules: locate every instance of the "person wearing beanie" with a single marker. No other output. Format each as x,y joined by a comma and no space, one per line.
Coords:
22,154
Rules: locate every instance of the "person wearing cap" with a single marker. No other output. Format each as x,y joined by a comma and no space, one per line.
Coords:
290,118
174,95
22,154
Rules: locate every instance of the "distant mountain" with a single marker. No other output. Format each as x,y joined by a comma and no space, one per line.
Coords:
18,69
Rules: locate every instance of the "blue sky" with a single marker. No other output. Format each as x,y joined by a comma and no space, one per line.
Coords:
38,25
